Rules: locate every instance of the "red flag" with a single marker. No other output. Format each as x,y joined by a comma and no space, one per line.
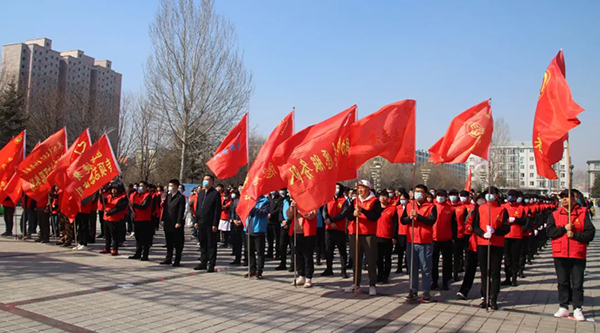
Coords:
11,155
232,154
309,161
69,205
263,177
555,115
469,133
93,169
41,161
389,133
58,175
468,184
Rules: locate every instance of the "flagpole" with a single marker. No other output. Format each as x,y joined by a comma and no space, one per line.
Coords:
294,252
489,243
569,209
248,220
412,229
356,268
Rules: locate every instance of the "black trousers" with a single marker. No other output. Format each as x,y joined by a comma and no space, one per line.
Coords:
272,235
144,232
570,281
512,254
304,249
92,227
175,240
320,244
459,254
9,213
129,222
29,222
472,261
524,252
121,234
333,239
496,253
82,224
257,250
284,242
401,250
237,239
384,257
445,248
208,245
112,232
101,219
43,219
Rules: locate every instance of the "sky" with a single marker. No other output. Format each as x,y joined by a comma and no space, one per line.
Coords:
324,56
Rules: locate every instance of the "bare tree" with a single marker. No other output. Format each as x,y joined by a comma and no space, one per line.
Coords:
195,75
501,157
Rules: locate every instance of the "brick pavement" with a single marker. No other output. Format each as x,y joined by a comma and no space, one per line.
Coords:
52,289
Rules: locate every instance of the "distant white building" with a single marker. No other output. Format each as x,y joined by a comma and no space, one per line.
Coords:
593,173
515,164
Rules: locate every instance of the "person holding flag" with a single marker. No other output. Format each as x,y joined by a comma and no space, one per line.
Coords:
256,228
115,209
335,230
304,226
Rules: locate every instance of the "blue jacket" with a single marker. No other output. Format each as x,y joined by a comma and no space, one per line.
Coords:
258,217
286,205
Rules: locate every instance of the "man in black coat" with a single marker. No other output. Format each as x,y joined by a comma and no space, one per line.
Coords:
274,225
173,223
207,214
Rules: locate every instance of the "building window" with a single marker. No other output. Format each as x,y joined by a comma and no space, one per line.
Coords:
531,167
531,175
531,183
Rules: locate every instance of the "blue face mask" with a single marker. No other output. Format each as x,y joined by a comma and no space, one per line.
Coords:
205,183
526,200
490,197
463,199
403,202
441,199
391,195
418,195
519,200
282,193
337,191
453,198
233,195
510,198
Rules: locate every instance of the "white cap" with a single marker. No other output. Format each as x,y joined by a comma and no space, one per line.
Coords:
364,183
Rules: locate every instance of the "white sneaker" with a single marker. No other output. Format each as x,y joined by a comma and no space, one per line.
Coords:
83,248
76,248
578,314
300,281
561,313
372,291
308,283
349,289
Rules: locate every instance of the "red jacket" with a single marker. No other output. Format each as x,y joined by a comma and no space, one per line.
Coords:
309,227
442,229
582,228
498,222
225,203
402,229
460,213
111,203
334,208
423,232
385,223
8,203
516,211
365,226
142,213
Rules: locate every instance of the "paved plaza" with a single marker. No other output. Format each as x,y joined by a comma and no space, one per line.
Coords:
53,289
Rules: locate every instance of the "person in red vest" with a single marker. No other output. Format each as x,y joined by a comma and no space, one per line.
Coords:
460,214
490,224
141,204
513,240
423,215
472,261
570,237
9,213
444,231
82,224
365,210
115,209
335,230
401,230
224,222
305,227
385,236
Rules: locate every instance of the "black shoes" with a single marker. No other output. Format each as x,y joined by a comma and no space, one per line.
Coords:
506,282
210,270
200,267
281,268
165,262
514,281
345,275
135,256
327,272
176,264
445,286
235,262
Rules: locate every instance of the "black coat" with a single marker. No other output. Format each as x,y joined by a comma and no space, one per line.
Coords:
276,208
173,212
208,207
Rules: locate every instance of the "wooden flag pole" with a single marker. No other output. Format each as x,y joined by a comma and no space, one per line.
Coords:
294,252
412,231
570,206
356,268
489,244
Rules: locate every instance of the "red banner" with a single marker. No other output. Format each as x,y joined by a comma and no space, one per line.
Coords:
263,177
11,155
36,167
96,167
310,160
59,175
469,133
468,184
389,133
555,115
232,154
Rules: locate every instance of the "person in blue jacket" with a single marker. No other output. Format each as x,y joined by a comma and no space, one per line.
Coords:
256,227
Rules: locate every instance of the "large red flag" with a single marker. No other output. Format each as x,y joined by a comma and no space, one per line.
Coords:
40,162
555,115
469,133
310,160
232,154
93,169
263,177
468,184
389,133
14,188
58,175
11,156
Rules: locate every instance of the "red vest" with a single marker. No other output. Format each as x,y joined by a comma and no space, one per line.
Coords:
517,211
309,227
423,233
111,203
142,214
459,212
402,229
484,221
563,246
334,208
442,229
225,203
385,223
365,226
87,208
8,203
469,219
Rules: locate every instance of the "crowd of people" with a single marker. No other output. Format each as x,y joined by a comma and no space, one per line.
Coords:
427,229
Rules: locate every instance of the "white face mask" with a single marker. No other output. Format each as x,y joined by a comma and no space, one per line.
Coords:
453,198
481,202
440,199
232,195
463,199
418,195
170,189
403,202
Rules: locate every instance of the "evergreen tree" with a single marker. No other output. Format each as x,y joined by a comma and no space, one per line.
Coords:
12,113
595,190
